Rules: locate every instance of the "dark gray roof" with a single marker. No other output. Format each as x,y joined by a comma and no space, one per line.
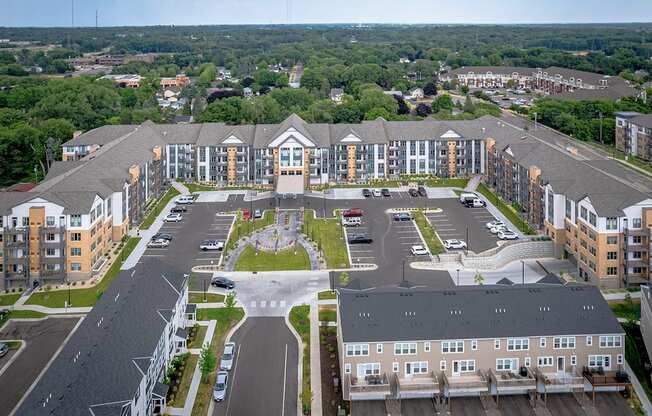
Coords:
191,308
489,311
611,93
644,120
101,135
551,279
507,70
505,281
103,364
590,78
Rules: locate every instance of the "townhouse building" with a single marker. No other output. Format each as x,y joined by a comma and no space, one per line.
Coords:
634,134
492,77
116,362
179,81
404,343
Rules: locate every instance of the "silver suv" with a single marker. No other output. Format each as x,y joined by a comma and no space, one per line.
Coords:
226,363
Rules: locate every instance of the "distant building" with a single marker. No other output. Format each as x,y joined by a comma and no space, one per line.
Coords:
417,94
125,81
394,92
247,92
337,94
404,60
182,119
634,134
179,81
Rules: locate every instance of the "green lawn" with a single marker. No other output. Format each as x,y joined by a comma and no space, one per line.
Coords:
447,182
20,315
328,235
427,231
198,187
199,338
327,294
627,309
244,228
83,297
300,320
8,300
507,210
268,261
186,379
327,313
162,202
194,297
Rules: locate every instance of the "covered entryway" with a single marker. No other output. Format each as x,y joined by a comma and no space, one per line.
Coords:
290,182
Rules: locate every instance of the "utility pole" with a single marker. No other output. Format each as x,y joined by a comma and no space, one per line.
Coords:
523,271
601,140
535,120
403,270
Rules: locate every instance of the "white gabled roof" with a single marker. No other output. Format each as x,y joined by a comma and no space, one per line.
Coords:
450,134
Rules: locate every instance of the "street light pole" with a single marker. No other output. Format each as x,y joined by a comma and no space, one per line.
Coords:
458,277
403,270
468,243
523,271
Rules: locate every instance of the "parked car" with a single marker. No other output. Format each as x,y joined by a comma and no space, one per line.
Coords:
219,390
162,236
366,193
475,203
507,235
289,195
422,191
4,349
179,208
224,282
360,239
454,244
258,214
385,192
498,228
467,196
211,245
377,192
226,362
173,218
403,216
351,221
419,250
352,212
246,214
184,200
413,192
494,223
161,243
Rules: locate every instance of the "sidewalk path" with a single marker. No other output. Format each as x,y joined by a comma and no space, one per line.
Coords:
621,295
473,183
181,188
315,360
52,311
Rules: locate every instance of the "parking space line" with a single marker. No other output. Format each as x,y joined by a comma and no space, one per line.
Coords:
263,303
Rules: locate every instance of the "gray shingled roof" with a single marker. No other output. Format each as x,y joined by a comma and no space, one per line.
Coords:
507,70
110,357
490,311
101,135
610,93
643,120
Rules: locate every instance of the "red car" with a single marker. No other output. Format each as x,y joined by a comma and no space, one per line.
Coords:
352,212
246,215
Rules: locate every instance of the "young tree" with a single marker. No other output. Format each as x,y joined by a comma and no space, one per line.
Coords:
478,279
423,110
207,361
344,279
469,107
430,89
230,300
464,89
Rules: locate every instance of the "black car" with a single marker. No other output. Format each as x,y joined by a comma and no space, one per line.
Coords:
222,281
385,192
413,192
422,191
162,236
4,349
360,239
403,216
179,208
366,193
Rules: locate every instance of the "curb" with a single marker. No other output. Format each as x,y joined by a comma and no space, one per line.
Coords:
23,344
299,357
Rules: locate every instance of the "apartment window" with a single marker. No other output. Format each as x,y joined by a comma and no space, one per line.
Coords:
568,209
368,369
75,251
395,367
593,219
75,220
25,221
467,366
563,343
612,240
506,364
612,223
528,361
347,368
50,252
49,237
426,346
612,271
442,365
600,361
518,344
619,359
637,270
417,367
405,348
544,361
573,359
75,267
636,223
589,341
379,348
610,341
474,344
636,239
75,236
452,346
49,221
496,344
542,343
636,254
612,255
357,350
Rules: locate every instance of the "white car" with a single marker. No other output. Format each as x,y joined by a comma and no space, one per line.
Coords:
498,228
211,245
173,218
419,250
454,244
376,192
493,224
158,243
507,235
185,199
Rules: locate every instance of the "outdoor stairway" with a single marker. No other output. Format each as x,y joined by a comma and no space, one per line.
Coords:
489,405
392,400
585,403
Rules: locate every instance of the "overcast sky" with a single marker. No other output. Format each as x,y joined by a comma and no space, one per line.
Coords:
194,12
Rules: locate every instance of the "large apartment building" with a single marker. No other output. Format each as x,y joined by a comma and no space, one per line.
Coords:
634,134
127,165
405,343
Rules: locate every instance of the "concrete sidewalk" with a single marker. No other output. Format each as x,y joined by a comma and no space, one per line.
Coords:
181,188
315,360
52,311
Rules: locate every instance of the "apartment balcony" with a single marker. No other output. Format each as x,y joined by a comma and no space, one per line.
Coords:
374,387
636,232
461,385
598,377
507,381
422,386
560,381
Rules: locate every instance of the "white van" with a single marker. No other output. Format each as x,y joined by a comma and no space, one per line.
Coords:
467,196
351,221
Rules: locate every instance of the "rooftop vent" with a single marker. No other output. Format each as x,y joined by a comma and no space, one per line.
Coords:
456,311
544,308
588,307
408,313
500,310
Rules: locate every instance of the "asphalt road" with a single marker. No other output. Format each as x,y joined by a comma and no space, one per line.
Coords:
263,380
43,338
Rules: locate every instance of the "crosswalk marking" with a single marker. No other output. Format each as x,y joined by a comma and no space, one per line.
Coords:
281,304
272,303
253,303
263,303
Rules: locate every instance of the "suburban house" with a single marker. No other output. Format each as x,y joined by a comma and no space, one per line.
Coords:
125,81
116,362
417,94
179,81
405,343
393,92
634,134
336,95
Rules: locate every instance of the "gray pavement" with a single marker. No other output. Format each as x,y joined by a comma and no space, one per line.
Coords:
43,339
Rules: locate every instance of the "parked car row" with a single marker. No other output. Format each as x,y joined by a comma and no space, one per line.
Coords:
211,245
226,364
376,192
159,240
501,230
